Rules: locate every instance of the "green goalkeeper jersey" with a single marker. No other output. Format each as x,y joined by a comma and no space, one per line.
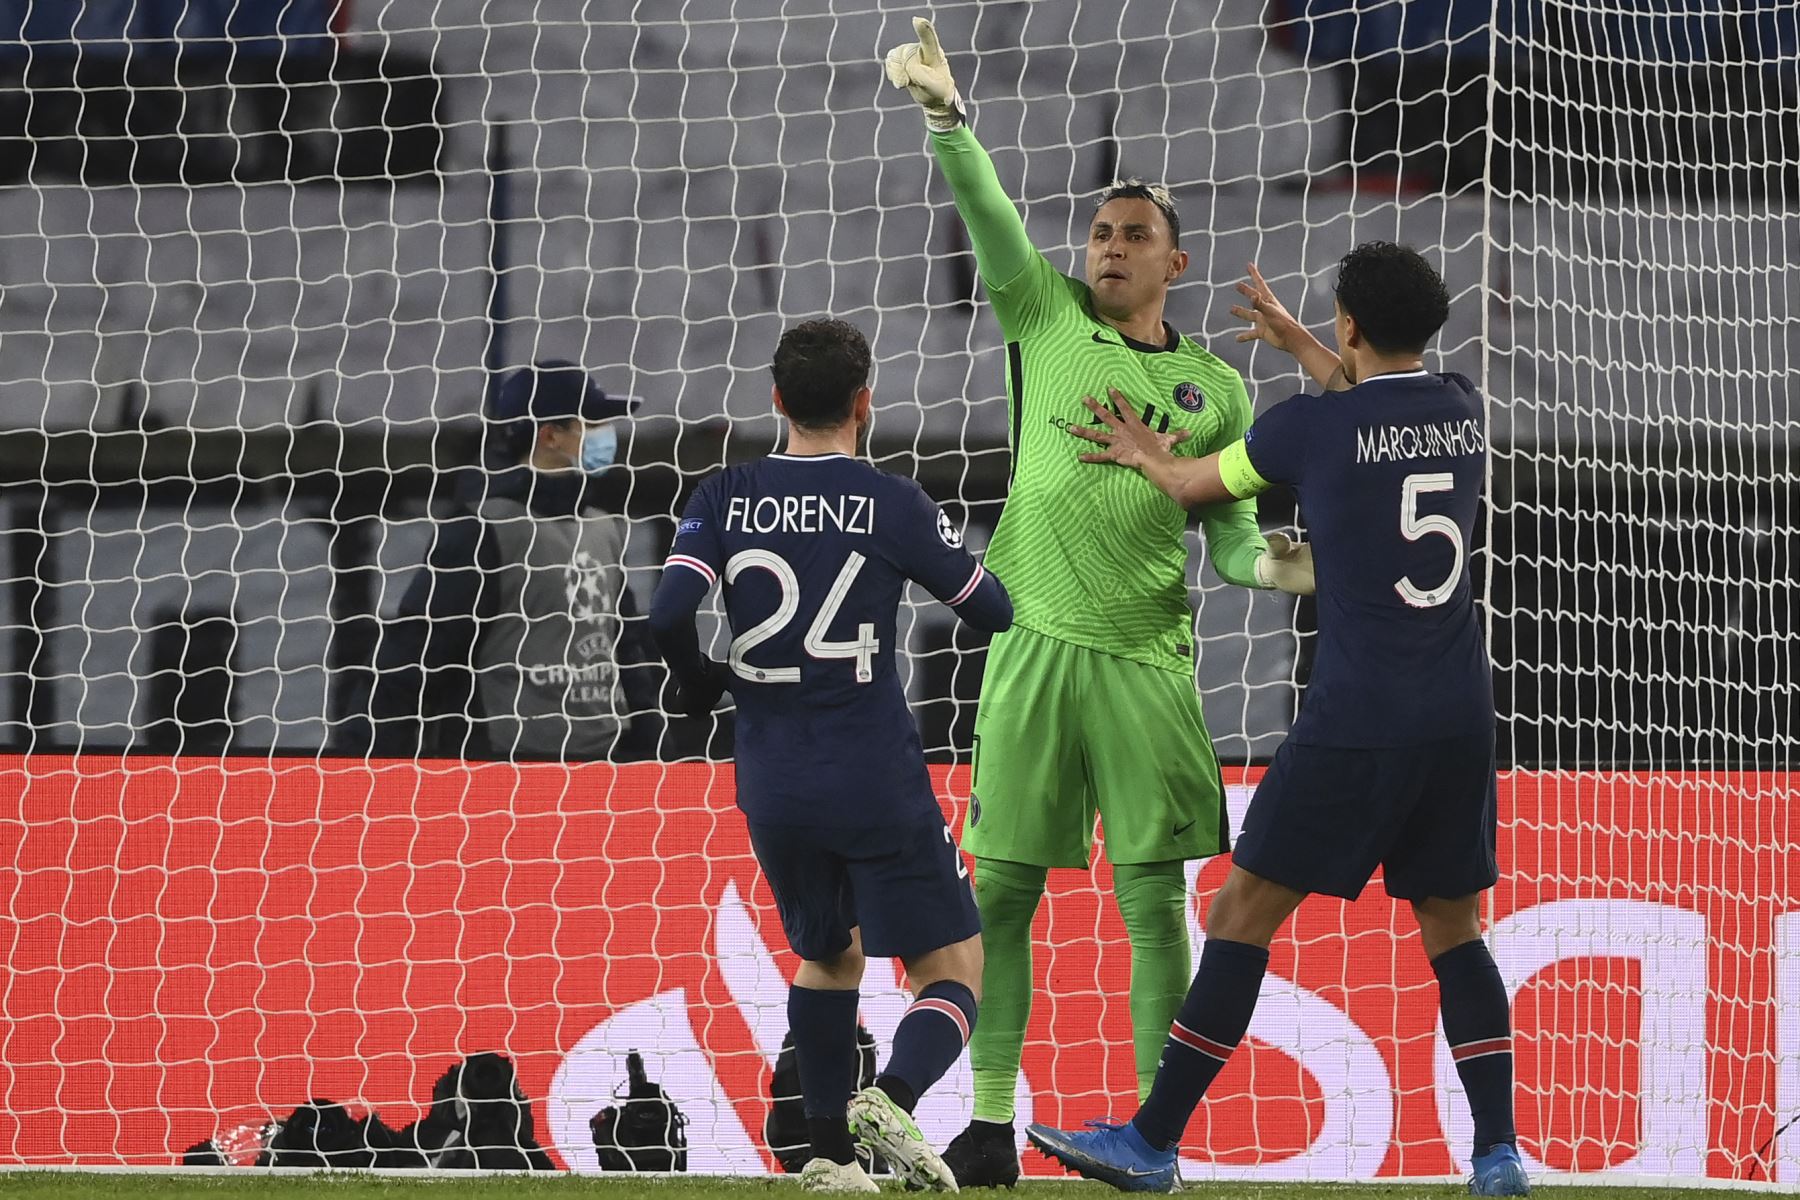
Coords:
1094,555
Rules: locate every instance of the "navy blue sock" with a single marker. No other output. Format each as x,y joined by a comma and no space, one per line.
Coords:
824,1027
1478,1026
930,1037
1208,1028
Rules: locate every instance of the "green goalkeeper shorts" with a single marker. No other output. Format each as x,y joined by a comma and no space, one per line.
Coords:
1063,733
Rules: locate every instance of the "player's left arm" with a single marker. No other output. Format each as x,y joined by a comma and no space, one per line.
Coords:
1272,324
688,575
1234,542
1225,480
926,547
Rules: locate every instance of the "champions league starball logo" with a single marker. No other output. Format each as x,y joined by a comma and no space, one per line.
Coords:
584,583
947,530
1187,396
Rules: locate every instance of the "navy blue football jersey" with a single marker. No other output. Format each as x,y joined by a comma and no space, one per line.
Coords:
814,553
1389,475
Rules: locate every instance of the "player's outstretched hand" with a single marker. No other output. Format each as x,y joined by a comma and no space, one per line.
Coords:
698,697
1287,567
921,68
1270,321
1127,440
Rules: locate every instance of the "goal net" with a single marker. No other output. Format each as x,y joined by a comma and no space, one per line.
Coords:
266,270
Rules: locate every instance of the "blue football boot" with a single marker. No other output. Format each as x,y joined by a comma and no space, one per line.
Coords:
1110,1151
1499,1173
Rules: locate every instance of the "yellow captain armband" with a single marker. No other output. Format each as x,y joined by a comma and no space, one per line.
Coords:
1235,472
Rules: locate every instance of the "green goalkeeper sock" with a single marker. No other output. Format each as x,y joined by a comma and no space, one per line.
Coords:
1007,894
1152,899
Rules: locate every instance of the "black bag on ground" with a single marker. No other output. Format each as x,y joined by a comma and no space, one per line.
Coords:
479,1120
645,1132
784,1129
322,1134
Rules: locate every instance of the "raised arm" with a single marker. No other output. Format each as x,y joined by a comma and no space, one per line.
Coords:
1010,266
1273,324
1003,250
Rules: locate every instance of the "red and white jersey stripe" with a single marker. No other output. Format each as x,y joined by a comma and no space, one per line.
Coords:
693,564
968,588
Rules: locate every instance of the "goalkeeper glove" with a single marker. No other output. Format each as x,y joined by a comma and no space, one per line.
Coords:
922,70
1287,565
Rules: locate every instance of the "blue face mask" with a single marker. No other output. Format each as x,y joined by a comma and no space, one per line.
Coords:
599,449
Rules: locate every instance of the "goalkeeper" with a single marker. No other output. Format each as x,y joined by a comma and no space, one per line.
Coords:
1096,564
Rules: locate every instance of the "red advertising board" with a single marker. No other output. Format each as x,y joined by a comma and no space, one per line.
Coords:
195,944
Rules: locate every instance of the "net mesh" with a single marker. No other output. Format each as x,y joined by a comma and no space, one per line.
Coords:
264,265
1638,351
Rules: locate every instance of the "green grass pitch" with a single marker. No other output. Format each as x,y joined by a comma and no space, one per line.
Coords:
349,1186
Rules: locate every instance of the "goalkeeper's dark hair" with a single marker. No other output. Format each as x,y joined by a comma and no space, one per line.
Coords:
1155,193
1397,299
819,366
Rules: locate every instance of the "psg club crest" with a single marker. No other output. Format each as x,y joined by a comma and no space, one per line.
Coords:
1188,396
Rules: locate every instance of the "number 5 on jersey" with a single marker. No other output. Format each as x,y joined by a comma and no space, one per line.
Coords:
1413,526
862,648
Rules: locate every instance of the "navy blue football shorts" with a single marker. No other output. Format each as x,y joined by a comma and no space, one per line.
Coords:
1324,817
905,885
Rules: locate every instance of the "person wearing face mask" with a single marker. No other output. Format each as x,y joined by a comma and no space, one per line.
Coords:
518,638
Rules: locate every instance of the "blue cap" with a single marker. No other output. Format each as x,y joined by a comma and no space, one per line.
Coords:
556,390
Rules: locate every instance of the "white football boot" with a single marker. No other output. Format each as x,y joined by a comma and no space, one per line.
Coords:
884,1127
823,1175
